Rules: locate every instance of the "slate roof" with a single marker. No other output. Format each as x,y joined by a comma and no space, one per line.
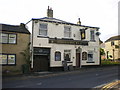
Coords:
113,38
54,20
14,28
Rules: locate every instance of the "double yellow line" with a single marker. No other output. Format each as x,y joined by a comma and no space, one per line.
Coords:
110,85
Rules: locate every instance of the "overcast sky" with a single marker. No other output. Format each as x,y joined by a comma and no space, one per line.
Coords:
96,13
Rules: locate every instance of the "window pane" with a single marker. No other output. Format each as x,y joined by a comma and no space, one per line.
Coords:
92,35
67,32
43,29
11,59
3,59
57,56
0,58
12,38
42,32
84,55
90,56
43,26
4,38
67,55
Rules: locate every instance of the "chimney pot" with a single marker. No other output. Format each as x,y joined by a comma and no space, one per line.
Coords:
79,22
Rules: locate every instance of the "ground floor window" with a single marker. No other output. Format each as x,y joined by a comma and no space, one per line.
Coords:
57,56
90,56
7,59
84,55
67,55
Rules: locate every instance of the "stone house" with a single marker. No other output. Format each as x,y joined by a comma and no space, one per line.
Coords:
13,40
112,48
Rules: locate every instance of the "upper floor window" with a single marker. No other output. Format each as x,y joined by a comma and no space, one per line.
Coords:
92,35
67,31
8,38
112,43
12,38
43,29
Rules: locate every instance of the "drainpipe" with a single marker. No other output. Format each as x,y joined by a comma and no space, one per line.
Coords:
32,45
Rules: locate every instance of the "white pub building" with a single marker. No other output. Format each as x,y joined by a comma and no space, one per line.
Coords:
55,42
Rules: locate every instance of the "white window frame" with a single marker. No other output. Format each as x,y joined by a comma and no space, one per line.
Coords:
12,38
11,59
42,29
67,51
7,56
67,32
6,39
90,59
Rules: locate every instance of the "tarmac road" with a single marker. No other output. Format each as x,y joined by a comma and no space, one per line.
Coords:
86,78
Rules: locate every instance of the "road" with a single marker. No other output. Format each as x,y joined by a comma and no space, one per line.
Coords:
76,79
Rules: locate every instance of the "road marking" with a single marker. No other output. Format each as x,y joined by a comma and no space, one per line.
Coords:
110,85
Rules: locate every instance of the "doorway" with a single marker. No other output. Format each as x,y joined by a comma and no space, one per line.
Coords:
41,63
78,60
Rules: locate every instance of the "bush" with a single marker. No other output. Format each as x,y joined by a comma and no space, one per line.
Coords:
110,62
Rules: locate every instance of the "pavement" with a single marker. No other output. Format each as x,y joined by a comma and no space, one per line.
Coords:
49,74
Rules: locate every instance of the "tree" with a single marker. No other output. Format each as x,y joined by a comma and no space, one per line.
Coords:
27,54
102,52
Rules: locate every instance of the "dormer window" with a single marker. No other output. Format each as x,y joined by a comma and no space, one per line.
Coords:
43,30
67,31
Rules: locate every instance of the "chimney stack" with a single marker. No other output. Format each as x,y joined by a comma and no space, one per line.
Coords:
49,12
22,25
79,22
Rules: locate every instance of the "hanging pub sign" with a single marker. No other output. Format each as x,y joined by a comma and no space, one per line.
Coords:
82,34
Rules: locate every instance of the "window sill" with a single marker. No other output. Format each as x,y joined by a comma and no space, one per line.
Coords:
8,65
69,62
42,36
9,43
93,40
67,38
90,62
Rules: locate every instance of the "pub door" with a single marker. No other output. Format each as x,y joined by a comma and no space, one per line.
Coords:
41,63
78,60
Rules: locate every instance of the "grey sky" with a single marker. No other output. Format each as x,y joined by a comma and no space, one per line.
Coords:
98,13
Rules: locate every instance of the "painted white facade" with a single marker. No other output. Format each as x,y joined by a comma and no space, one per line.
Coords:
56,30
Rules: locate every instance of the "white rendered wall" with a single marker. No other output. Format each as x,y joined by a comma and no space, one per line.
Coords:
58,31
